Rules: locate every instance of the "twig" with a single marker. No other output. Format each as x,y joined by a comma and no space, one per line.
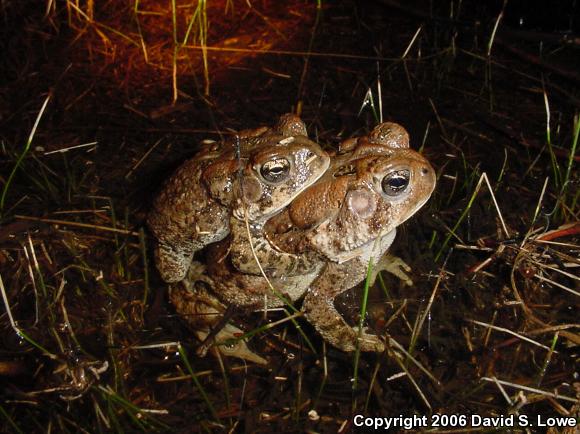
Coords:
138,163
412,42
291,53
531,389
77,224
413,382
397,345
69,148
508,331
565,288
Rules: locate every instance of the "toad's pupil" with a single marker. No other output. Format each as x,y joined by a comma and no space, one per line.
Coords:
275,170
396,182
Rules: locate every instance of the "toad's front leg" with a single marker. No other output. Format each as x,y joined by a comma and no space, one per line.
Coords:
320,311
394,265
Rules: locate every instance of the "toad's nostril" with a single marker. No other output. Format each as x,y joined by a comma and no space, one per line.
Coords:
424,171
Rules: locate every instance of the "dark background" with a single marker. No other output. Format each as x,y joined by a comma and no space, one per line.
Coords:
96,341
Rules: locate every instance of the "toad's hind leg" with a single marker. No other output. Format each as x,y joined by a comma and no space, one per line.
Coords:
204,313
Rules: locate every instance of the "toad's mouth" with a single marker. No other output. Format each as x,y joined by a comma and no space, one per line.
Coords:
367,248
378,245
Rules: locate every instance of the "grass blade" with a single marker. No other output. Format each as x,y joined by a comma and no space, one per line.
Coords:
24,152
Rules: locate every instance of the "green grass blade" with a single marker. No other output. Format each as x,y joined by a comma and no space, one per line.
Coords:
363,312
12,424
198,385
24,152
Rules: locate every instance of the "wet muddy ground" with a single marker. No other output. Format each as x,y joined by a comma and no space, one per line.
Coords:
100,103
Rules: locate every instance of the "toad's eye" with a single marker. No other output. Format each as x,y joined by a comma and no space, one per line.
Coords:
275,170
394,183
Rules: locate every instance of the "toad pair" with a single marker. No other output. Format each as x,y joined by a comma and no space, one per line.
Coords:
270,203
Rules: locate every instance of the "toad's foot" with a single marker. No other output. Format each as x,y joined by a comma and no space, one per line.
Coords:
228,343
394,265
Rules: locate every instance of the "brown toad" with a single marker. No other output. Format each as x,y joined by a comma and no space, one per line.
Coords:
252,176
322,243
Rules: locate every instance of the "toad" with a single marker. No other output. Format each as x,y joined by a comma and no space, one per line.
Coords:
322,243
252,176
